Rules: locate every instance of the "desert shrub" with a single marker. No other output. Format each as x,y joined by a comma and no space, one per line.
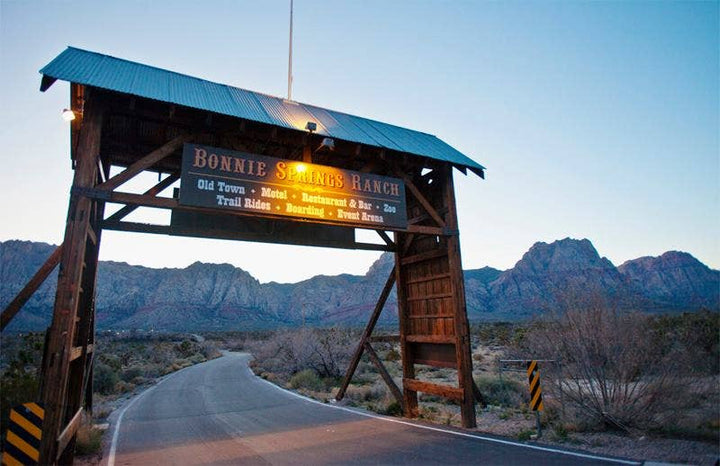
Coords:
392,409
111,360
325,351
16,388
21,357
392,355
131,373
187,348
692,336
365,393
209,350
104,378
124,387
89,438
609,370
497,333
501,392
306,379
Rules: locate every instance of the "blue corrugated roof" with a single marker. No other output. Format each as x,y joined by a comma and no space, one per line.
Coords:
106,72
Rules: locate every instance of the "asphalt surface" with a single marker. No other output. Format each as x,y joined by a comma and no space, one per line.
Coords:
220,413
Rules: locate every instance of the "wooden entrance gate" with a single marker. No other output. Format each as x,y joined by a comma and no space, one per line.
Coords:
122,121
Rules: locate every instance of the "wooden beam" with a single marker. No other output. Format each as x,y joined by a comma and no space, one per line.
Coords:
384,373
385,338
31,287
68,432
420,197
146,162
431,296
441,339
140,200
423,230
445,391
77,351
386,238
137,227
366,334
423,256
430,278
423,217
154,191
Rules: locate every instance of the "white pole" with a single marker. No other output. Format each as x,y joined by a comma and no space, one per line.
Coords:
289,94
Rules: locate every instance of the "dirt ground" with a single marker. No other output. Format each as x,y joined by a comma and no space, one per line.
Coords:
639,447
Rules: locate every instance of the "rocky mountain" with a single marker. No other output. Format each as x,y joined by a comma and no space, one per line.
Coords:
549,275
672,279
220,296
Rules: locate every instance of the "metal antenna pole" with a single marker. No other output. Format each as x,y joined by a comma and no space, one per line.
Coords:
289,94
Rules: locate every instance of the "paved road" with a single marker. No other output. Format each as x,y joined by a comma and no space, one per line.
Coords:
219,413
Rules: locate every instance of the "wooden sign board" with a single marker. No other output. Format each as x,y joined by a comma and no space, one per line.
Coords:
224,179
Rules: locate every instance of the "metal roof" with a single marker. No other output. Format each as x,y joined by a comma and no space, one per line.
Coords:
106,72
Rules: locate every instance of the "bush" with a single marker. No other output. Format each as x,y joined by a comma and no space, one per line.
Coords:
392,355
375,392
306,379
610,369
393,409
104,378
325,351
131,373
501,392
89,438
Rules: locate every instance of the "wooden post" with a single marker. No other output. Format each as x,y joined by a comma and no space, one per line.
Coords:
462,347
410,396
62,334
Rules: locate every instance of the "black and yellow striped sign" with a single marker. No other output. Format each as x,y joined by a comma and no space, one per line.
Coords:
536,403
22,446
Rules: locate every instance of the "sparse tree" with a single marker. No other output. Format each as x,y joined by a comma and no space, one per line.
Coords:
609,367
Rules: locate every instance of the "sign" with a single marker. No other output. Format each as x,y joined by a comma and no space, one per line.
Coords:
536,403
231,180
22,442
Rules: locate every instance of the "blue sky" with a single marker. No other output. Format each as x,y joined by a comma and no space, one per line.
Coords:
595,120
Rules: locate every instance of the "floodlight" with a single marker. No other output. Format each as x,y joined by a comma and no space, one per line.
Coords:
68,115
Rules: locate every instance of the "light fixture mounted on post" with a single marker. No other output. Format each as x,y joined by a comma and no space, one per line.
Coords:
68,115
311,126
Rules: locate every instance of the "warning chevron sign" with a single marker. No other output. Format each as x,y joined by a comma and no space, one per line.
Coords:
536,403
22,446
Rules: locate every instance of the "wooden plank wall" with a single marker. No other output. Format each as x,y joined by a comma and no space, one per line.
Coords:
431,299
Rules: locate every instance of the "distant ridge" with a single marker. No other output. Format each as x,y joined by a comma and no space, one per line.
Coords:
223,297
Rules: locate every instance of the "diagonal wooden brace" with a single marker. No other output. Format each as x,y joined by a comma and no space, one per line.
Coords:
366,334
154,191
146,162
421,199
32,285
